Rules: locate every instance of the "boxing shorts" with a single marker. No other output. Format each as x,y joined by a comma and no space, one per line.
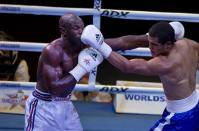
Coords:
44,112
180,115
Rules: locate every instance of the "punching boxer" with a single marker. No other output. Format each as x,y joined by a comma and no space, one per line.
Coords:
174,61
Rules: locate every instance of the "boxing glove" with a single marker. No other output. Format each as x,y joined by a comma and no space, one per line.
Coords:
178,30
88,59
92,36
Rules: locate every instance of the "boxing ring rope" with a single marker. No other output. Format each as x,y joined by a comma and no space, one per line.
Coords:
37,47
96,22
83,87
121,14
22,46
97,12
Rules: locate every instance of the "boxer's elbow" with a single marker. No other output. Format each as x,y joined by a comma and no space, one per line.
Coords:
54,91
62,87
60,91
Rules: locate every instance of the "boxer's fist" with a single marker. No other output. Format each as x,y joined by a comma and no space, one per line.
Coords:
92,36
88,59
178,29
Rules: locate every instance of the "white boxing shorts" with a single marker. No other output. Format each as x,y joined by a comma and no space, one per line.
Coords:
46,113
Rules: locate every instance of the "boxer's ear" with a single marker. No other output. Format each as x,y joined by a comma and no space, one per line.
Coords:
168,45
62,30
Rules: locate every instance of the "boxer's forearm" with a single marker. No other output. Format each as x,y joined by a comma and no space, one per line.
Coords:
138,66
127,42
62,87
119,61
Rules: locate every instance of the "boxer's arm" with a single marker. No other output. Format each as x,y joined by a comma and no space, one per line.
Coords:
133,41
57,84
155,66
92,36
127,42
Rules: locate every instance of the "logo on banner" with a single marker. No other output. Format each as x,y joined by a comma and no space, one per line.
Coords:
15,100
113,89
114,13
137,97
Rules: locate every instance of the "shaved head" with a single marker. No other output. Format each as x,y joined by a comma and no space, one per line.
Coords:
71,27
67,20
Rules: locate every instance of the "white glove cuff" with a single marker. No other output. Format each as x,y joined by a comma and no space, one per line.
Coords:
105,50
78,72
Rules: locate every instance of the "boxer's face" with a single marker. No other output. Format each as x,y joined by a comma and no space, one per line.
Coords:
155,47
75,32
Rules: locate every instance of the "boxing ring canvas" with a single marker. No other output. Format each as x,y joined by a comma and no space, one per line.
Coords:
94,117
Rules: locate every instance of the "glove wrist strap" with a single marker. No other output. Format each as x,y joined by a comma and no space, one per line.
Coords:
105,50
78,72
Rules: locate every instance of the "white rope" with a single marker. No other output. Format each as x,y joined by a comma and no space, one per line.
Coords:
96,22
44,10
37,47
136,52
122,14
149,15
138,87
97,18
84,87
22,46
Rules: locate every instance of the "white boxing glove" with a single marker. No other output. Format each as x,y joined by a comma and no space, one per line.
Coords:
178,29
88,59
92,36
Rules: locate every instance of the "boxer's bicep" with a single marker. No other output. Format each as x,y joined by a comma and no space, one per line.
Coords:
152,67
51,67
140,66
49,74
159,65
